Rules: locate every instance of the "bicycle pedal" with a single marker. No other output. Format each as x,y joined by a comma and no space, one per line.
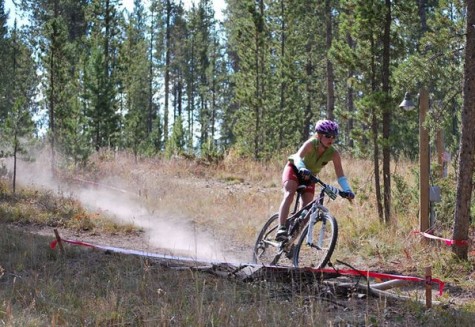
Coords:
282,238
290,252
282,246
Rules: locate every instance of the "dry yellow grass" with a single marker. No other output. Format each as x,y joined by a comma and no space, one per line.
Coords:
229,201
232,199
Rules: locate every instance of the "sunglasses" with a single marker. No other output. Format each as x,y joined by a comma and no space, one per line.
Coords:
330,136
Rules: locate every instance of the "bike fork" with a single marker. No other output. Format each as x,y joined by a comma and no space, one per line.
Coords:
311,226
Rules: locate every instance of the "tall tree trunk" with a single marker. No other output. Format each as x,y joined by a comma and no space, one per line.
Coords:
15,140
214,90
180,96
283,83
256,103
167,71
308,87
387,113
375,134
350,96
52,94
191,95
309,71
422,9
15,155
262,88
330,73
377,179
150,73
259,62
467,143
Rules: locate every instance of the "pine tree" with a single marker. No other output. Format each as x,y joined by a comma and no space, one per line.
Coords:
363,50
205,56
247,38
100,77
167,67
176,144
17,129
5,74
156,67
135,80
178,64
56,31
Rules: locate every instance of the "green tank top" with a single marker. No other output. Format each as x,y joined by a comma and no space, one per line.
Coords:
311,161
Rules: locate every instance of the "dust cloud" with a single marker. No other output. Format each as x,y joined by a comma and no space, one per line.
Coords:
168,231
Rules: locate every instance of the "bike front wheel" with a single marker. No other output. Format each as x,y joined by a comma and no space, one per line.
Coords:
266,247
314,249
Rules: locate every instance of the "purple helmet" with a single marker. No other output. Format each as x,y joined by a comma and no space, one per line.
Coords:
326,126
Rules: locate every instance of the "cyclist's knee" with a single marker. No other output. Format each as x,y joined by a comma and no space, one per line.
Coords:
290,185
289,195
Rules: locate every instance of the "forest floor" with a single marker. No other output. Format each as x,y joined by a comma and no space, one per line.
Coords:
177,204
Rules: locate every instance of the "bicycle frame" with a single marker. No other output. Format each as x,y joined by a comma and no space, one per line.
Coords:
317,219
313,207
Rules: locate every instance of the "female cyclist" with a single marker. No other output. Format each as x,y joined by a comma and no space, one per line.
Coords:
312,156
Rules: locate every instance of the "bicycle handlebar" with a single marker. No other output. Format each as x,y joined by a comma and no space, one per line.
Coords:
343,194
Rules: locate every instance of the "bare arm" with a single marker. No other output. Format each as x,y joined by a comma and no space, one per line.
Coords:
337,164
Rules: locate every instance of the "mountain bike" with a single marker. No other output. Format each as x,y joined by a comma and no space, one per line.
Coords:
312,232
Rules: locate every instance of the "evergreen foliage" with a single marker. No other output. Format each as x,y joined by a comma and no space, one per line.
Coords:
170,79
17,124
101,81
134,70
176,143
257,81
5,67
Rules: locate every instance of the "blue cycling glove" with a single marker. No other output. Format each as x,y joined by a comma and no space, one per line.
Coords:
345,186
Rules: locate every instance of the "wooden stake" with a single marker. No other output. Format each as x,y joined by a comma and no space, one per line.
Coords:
61,250
428,287
424,163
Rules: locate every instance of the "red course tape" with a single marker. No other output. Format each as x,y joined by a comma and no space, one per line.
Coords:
372,274
348,272
445,240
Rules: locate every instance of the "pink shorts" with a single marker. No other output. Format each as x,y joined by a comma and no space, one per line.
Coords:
289,174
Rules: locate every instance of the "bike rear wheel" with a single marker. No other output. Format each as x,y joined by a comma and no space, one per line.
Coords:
266,247
323,241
